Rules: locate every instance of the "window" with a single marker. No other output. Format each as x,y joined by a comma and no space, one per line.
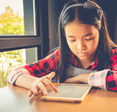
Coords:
14,58
19,29
11,17
22,34
9,60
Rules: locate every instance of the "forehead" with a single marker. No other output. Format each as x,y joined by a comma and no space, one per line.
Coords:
75,27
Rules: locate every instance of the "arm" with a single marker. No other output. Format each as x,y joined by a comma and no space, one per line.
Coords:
25,80
105,79
21,77
79,78
35,76
76,75
111,79
36,85
97,79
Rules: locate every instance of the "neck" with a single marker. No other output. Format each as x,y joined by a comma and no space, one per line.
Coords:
85,63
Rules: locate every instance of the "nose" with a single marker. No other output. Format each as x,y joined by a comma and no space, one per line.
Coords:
81,45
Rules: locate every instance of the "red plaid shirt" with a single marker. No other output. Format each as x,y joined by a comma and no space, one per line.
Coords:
106,79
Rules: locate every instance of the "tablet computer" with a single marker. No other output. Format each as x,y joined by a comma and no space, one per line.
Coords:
68,93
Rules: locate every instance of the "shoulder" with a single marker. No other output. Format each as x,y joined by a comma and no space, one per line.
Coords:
54,54
113,59
57,51
113,54
114,51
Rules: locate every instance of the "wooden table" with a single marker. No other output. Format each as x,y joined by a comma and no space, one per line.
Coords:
15,99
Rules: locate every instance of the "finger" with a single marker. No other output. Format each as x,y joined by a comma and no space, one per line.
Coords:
51,75
50,84
30,93
42,88
36,90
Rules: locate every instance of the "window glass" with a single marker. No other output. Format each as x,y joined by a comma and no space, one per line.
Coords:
15,58
9,60
11,17
14,15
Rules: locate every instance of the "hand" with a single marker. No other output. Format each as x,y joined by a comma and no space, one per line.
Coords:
39,84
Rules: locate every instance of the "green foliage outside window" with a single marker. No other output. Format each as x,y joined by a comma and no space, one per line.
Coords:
10,24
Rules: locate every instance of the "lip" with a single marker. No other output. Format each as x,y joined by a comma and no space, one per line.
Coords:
82,54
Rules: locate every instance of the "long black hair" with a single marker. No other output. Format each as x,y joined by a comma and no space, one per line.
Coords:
88,13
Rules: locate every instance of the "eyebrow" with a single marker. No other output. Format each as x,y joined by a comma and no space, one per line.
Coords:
87,34
82,36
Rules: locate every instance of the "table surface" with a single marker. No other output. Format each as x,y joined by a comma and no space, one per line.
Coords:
15,99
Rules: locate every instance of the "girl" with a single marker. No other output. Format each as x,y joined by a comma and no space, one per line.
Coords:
86,53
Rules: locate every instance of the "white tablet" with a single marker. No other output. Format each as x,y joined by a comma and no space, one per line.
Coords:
68,93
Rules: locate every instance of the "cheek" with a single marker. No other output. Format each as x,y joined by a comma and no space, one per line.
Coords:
71,46
93,45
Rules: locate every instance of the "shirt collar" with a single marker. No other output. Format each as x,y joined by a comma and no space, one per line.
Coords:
72,59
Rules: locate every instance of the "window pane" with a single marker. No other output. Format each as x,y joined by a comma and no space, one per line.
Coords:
15,58
12,17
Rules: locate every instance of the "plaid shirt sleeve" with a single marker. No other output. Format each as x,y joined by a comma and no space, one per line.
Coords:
15,73
98,79
38,69
44,66
106,79
111,79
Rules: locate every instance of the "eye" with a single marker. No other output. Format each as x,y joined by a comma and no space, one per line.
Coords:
89,39
72,40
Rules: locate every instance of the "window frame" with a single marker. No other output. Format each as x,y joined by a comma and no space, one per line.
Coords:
39,40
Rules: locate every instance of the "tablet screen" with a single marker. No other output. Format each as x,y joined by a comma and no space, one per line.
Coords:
69,91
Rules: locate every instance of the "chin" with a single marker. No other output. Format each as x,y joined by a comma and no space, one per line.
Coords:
83,58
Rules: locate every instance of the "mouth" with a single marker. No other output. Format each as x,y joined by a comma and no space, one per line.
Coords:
82,54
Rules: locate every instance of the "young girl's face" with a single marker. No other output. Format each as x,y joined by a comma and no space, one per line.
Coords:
82,39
